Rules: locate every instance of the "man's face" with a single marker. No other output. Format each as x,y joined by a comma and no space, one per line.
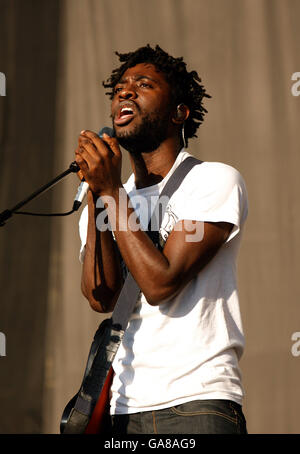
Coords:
141,108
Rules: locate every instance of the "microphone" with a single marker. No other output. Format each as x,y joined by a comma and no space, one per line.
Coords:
84,187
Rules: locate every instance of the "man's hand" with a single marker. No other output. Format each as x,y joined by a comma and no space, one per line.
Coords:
80,175
100,162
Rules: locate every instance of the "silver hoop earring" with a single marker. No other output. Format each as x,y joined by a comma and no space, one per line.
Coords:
183,137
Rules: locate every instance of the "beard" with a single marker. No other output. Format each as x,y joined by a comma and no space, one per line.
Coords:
147,136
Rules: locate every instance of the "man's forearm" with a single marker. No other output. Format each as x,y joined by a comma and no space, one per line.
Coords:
149,267
101,273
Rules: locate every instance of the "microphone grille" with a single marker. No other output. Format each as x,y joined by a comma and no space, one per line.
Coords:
106,130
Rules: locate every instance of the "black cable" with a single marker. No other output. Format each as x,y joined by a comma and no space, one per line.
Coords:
44,214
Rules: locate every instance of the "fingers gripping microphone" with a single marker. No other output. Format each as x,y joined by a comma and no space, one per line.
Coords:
84,187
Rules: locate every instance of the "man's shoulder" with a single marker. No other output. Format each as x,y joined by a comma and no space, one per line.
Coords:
213,175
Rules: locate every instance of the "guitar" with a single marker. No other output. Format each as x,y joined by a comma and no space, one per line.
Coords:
88,411
100,419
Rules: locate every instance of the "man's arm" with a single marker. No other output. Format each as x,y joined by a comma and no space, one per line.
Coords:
101,279
160,275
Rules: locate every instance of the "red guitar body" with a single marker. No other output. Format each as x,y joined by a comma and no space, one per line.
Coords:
100,420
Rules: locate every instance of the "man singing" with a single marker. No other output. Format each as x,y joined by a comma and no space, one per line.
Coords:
176,371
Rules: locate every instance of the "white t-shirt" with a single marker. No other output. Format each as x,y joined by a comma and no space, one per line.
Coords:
188,347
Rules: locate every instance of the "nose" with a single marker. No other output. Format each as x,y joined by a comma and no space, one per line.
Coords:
127,92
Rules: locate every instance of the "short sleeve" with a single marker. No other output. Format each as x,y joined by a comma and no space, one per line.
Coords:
213,192
83,224
83,220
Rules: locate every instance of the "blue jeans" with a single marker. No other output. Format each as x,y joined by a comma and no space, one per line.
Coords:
214,416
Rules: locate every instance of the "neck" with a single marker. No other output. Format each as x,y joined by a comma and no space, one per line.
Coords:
150,168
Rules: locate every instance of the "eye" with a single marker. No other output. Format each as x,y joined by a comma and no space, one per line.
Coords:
117,89
145,85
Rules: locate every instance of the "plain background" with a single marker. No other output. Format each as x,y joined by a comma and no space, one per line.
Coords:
55,55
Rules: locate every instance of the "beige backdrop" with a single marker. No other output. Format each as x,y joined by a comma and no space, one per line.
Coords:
55,56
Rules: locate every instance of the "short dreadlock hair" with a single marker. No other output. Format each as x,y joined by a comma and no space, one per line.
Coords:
185,86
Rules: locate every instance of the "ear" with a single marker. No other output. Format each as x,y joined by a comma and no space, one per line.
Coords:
181,114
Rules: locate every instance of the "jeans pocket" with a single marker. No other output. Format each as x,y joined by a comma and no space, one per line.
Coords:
212,416
205,412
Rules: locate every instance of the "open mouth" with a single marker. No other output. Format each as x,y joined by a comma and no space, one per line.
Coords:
124,116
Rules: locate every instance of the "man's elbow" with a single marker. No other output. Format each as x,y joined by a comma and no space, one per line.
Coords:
101,299
160,294
96,302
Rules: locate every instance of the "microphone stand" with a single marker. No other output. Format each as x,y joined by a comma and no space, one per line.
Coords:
6,214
